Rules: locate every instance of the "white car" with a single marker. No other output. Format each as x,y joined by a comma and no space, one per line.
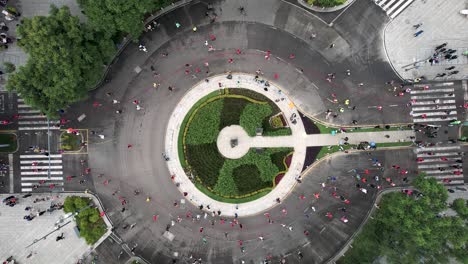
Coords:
464,12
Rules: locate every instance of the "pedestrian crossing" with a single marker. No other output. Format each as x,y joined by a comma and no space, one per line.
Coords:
32,119
393,7
443,163
34,172
433,104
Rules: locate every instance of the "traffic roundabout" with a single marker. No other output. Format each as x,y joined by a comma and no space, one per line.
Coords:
231,144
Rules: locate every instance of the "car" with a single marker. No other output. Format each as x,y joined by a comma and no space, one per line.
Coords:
8,199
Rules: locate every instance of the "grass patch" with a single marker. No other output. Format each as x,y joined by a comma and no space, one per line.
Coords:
9,139
70,141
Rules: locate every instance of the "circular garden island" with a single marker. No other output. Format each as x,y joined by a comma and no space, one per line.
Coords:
233,180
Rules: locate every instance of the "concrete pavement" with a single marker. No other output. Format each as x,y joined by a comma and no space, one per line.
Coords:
441,22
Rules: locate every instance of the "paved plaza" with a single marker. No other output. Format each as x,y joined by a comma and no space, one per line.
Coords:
32,241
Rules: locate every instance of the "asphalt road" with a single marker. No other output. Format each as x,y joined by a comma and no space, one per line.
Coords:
269,25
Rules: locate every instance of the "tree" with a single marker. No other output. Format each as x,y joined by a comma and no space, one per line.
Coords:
65,60
9,67
461,207
119,16
408,229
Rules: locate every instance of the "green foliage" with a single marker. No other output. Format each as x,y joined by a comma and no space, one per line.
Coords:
89,222
204,126
407,229
278,157
65,61
205,161
253,116
276,121
9,67
117,16
326,3
247,179
10,140
231,112
91,225
75,203
70,141
461,207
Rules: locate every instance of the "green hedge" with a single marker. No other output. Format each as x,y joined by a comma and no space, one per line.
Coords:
204,127
231,112
326,3
252,117
247,179
205,161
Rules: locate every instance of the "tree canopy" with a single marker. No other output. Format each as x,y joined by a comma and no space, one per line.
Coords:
119,16
65,60
410,229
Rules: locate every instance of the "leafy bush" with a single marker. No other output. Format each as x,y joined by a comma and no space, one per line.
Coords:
460,205
276,121
326,3
89,222
9,67
247,179
278,157
231,112
204,126
252,117
205,161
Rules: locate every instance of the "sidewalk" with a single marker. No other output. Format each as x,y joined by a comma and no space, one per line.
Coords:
299,140
441,22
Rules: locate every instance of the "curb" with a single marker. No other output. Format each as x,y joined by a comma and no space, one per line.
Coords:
127,41
325,9
346,245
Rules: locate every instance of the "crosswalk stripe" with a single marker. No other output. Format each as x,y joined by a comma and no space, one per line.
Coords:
452,112
426,120
33,183
40,122
41,167
31,117
39,128
33,156
434,103
419,97
437,171
20,100
397,12
455,182
438,148
441,177
41,178
26,189
445,154
432,91
435,166
443,107
28,111
39,161
23,106
388,4
41,173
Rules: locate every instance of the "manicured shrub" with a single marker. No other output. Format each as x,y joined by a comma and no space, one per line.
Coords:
204,126
231,112
252,117
247,179
205,161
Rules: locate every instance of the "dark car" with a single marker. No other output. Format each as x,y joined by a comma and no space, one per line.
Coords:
6,200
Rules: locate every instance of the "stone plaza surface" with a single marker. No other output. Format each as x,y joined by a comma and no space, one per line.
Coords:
18,234
441,22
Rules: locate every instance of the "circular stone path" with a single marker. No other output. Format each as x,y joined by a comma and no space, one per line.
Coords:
274,93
